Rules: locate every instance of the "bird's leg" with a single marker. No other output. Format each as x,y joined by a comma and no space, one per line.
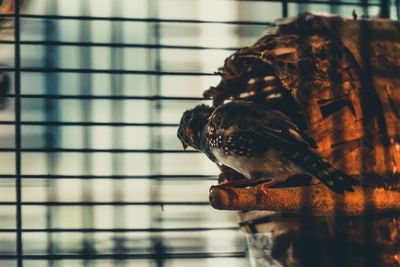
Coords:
228,178
267,185
229,185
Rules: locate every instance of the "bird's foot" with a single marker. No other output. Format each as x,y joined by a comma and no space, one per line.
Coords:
233,183
267,185
229,185
232,190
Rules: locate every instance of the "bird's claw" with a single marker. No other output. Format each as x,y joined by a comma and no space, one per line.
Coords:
267,185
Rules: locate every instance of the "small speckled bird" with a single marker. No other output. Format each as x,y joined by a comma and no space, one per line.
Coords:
258,142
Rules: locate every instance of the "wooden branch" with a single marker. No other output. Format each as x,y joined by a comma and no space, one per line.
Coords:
317,200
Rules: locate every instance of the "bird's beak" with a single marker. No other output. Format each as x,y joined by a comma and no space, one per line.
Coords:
184,146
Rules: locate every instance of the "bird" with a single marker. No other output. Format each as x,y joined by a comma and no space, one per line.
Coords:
259,142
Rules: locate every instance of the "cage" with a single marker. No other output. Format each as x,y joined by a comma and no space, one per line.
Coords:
92,173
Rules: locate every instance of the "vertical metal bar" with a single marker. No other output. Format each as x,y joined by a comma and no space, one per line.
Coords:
385,9
397,4
364,4
156,142
302,7
333,9
374,117
85,89
117,112
367,107
155,132
17,77
284,8
340,255
51,132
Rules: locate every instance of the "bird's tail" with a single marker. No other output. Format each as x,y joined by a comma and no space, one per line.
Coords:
336,180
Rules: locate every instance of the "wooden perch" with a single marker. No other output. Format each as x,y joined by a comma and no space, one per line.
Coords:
317,200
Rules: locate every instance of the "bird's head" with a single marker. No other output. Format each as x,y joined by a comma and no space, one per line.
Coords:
192,124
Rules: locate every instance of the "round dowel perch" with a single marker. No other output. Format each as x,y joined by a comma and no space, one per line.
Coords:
317,200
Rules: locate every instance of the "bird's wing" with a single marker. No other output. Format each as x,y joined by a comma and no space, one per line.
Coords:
280,132
273,128
267,127
290,140
276,127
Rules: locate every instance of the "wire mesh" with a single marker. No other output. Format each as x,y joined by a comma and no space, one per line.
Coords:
92,173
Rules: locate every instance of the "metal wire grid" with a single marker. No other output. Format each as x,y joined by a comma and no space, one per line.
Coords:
52,124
